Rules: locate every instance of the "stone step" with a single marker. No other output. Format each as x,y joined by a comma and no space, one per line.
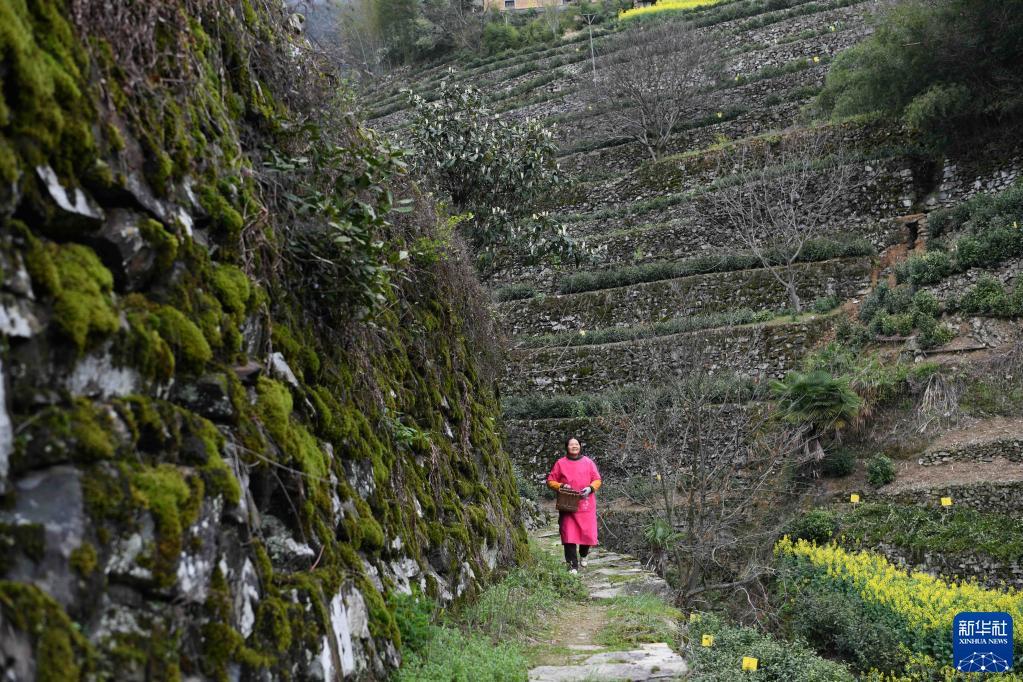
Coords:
651,302
648,662
759,351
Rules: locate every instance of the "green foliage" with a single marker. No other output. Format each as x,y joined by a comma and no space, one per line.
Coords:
817,398
978,213
926,268
813,251
508,610
674,326
451,655
486,639
898,311
932,333
340,216
989,297
778,660
957,531
514,292
825,304
497,169
837,625
499,36
817,526
944,68
838,463
660,535
414,614
880,471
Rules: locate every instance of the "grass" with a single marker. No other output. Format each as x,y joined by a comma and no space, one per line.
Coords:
639,619
778,660
815,251
677,325
957,531
487,639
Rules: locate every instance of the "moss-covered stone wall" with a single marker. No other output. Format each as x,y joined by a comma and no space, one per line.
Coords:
201,476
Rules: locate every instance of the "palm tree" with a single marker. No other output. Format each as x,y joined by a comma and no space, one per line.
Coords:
819,403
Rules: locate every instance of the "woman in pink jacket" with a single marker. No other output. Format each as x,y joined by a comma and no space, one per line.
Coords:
577,472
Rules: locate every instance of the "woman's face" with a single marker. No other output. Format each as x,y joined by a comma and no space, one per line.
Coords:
573,447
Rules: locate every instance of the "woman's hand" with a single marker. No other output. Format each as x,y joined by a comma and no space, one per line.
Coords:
586,491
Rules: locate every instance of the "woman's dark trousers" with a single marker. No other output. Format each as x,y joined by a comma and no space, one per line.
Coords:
570,554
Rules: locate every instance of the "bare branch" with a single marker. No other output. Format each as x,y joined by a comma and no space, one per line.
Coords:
775,197
651,79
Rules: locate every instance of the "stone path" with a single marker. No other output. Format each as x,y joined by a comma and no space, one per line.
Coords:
608,575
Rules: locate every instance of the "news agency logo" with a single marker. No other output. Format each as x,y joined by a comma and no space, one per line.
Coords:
982,642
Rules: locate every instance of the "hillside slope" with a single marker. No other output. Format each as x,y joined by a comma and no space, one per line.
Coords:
665,293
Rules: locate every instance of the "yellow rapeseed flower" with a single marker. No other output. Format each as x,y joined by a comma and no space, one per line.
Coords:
924,601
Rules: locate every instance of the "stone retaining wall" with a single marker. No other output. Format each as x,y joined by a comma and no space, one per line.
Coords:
987,571
534,444
951,288
764,350
1009,448
666,299
989,497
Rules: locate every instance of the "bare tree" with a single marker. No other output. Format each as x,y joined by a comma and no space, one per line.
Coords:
552,16
718,499
651,79
774,198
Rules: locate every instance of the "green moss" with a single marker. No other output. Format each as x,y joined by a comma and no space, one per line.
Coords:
144,349
191,349
274,404
82,309
163,242
224,217
219,478
232,288
62,654
38,262
84,560
173,502
222,644
209,316
114,137
91,430
273,625
26,538
81,432
44,114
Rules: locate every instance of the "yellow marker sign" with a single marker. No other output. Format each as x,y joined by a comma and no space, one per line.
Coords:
749,663
720,115
816,60
708,640
946,502
854,498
